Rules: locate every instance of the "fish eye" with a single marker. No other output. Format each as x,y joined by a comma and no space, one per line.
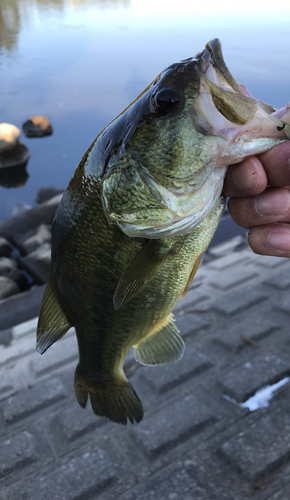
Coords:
166,100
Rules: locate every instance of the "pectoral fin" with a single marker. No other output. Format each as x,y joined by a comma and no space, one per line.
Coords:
53,322
162,345
139,272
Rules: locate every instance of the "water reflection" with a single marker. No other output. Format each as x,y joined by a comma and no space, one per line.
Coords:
14,177
13,12
9,24
13,163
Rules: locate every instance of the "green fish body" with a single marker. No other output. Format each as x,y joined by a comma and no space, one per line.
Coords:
136,218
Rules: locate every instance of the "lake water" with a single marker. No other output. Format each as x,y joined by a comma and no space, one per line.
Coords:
81,62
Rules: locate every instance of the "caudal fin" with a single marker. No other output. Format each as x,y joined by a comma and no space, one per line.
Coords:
116,400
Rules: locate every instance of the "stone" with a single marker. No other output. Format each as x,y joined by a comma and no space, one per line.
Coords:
21,307
14,176
282,494
173,483
25,328
17,451
255,326
189,302
165,377
5,248
46,193
74,421
7,266
17,351
37,126
41,395
6,384
38,263
171,425
6,337
242,380
61,353
37,238
20,279
190,324
231,303
281,280
81,476
20,208
227,280
15,157
268,261
7,288
9,136
261,447
219,264
20,224
227,247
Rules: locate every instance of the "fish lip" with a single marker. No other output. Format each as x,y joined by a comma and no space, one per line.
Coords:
212,57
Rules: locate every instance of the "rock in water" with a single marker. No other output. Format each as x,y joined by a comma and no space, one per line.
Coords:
14,157
7,287
9,136
40,236
46,193
37,126
5,248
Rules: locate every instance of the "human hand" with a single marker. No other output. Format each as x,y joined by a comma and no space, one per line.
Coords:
259,188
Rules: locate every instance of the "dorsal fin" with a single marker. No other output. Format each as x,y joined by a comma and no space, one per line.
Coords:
53,322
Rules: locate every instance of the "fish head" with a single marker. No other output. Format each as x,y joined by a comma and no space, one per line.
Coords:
191,122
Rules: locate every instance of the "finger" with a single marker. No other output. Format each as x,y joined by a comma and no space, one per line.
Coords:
273,205
247,178
272,239
276,163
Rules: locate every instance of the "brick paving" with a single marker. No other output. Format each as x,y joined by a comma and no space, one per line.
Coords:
196,442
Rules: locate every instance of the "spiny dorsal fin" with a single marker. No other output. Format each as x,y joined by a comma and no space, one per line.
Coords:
139,272
53,322
162,345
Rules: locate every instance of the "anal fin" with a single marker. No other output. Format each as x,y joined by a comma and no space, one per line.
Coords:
162,345
53,322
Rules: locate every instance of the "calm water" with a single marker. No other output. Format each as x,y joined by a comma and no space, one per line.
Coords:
80,62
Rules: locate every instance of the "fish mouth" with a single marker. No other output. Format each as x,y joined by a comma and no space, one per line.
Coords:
226,109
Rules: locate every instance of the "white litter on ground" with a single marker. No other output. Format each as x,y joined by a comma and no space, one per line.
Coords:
261,398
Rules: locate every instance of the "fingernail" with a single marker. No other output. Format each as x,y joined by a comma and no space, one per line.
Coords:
273,202
246,178
279,241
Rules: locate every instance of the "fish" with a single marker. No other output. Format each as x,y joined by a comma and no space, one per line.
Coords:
136,218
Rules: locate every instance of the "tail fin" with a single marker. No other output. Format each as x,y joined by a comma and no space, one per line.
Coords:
116,400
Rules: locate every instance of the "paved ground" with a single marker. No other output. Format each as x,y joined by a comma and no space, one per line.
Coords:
193,443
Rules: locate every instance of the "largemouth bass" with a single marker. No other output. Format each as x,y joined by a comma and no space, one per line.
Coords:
136,218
